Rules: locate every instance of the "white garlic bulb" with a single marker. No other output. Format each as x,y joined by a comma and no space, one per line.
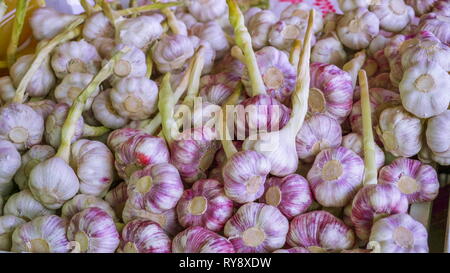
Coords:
172,52
46,22
394,15
97,26
302,10
421,6
213,33
54,124
140,31
7,225
7,90
283,33
248,14
207,10
357,28
25,206
9,164
437,137
259,26
105,46
105,112
31,158
346,5
329,50
83,201
71,87
437,24
42,107
131,64
186,18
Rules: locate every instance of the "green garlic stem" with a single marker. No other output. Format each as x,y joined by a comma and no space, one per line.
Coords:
166,105
370,174
172,20
294,55
133,4
354,65
76,110
94,131
156,6
21,11
110,14
225,137
149,61
87,7
244,41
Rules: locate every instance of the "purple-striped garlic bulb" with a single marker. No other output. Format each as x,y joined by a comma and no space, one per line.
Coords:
346,5
296,249
437,140
437,24
8,223
172,51
215,93
392,53
53,182
43,79
214,34
228,71
259,26
144,236
117,137
97,26
117,197
131,65
331,91
400,132
394,15
93,231
442,8
105,113
373,202
31,158
25,206
46,22
284,32
81,202
93,163
417,181
277,73
399,233
205,205
318,132
55,122
290,194
71,87
44,234
336,176
423,90
357,27
160,186
207,10
140,31
354,142
329,50
76,56
257,228
7,90
320,229
421,6
42,107
9,164
200,240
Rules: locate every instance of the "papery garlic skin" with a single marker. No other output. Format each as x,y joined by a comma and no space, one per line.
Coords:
346,5
290,194
131,65
160,186
42,107
139,32
394,15
8,223
437,139
373,202
97,26
93,163
354,142
105,112
400,132
357,28
7,90
21,125
71,87
53,182
207,10
43,79
336,176
419,182
25,206
172,52
293,250
244,175
400,233
437,24
144,236
81,202
318,132
94,230
213,33
205,205
320,229
9,164
31,158
421,6
76,56
329,50
44,234
55,122
259,26
46,22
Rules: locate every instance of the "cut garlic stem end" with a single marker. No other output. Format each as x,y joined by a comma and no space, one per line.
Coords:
198,205
294,56
374,246
273,196
253,236
354,65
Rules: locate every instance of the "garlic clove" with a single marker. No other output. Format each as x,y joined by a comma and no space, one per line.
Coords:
8,224
81,202
144,236
9,164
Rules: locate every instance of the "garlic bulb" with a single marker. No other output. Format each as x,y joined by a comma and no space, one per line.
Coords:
399,233
43,79
293,250
31,158
331,91
117,197
379,42
205,205
336,176
44,234
442,8
105,46
140,31
94,231
259,26
7,90
215,93
301,10
283,33
357,28
186,18
277,73
213,33
320,229
55,122
417,181
421,6
346,5
200,240
318,132
46,22
117,137
135,98
290,194
97,26
257,228
437,24
76,56
392,53
373,202
42,107
172,52
207,10
131,65
394,15
81,202
208,53
53,189
105,112
354,142
400,132
228,71
329,50
21,125
144,236
93,163
71,87
437,140
25,206
9,164
8,224
249,13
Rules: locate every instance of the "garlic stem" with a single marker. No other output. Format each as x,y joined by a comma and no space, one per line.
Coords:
354,65
295,53
166,105
370,174
134,4
71,32
87,7
225,137
172,21
156,6
68,129
149,62
93,131
244,41
21,11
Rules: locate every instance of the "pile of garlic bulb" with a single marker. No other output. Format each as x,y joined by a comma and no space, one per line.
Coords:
92,158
